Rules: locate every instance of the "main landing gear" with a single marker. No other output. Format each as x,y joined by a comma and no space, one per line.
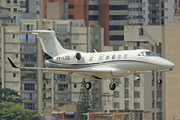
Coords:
112,85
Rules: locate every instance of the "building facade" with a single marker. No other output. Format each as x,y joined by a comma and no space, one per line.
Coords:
45,89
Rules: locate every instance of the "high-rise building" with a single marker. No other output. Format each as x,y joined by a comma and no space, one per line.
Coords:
24,6
45,89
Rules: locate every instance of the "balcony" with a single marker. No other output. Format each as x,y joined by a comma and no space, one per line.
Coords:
46,97
62,99
30,108
29,99
153,16
153,8
28,59
94,40
46,89
29,88
62,80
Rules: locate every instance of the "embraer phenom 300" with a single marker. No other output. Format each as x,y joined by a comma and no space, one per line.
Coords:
98,65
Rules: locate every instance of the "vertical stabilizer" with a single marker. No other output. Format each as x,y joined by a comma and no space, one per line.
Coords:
51,46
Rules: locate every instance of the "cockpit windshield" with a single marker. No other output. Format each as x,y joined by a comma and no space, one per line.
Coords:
147,53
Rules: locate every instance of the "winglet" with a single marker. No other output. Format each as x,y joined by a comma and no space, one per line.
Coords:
13,65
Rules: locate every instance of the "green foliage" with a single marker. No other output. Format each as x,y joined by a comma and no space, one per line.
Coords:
84,101
8,95
10,111
95,25
4,24
66,40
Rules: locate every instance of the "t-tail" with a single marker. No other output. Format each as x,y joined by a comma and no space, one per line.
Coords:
51,46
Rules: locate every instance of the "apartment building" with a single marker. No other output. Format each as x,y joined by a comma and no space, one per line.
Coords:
25,6
4,16
45,89
143,93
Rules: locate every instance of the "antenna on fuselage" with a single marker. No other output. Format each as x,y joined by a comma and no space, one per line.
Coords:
95,51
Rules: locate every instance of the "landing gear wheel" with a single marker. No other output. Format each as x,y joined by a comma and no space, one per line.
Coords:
112,86
88,85
159,81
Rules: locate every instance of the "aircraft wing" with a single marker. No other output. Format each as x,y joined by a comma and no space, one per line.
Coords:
75,72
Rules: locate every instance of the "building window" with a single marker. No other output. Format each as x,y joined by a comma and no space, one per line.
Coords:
76,85
71,6
15,1
29,86
44,85
46,6
15,55
93,7
62,87
27,37
126,93
44,104
8,1
136,94
136,105
28,27
116,104
71,16
76,95
126,103
76,37
62,28
140,31
37,2
15,84
117,7
93,17
44,95
63,97
15,9
116,94
116,37
38,12
9,9
117,17
15,75
15,46
116,27
126,82
76,46
30,106
136,83
15,36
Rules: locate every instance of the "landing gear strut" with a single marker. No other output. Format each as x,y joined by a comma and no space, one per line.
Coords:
112,85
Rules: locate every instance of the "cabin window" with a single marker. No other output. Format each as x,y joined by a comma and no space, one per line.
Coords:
91,58
125,56
119,56
113,57
107,57
101,57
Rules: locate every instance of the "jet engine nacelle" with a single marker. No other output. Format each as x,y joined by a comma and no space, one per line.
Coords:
68,58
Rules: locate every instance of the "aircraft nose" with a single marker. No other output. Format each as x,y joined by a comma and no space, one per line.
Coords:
169,64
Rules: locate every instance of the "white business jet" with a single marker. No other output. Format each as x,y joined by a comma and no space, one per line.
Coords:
98,65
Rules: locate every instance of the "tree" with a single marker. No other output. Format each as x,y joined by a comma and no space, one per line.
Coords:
4,24
10,111
8,95
84,101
